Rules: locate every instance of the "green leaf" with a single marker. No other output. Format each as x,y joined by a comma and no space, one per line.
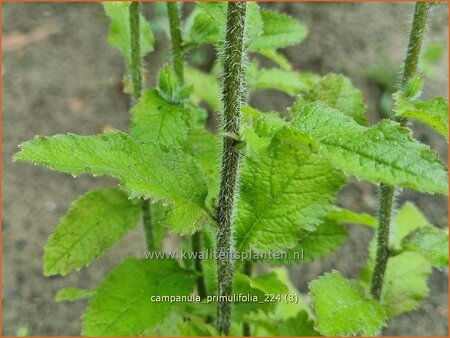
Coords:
146,170
430,242
122,304
288,82
71,294
205,86
169,87
279,59
119,31
431,54
260,287
405,282
433,113
385,153
325,239
336,91
413,87
342,309
341,215
94,223
155,120
285,188
301,325
280,31
207,23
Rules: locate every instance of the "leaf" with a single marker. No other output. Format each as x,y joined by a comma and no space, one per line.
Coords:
279,59
385,153
148,171
301,325
433,113
155,120
342,309
288,82
407,219
207,23
119,31
336,91
259,287
94,223
169,87
430,242
71,294
285,188
325,239
413,87
280,31
205,86
341,215
122,304
431,54
405,282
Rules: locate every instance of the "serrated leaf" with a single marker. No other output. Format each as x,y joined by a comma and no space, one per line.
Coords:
413,87
335,91
342,309
71,294
206,86
301,325
169,87
119,31
342,215
93,224
385,153
285,188
122,303
288,82
430,242
404,284
280,31
155,120
433,113
259,287
146,170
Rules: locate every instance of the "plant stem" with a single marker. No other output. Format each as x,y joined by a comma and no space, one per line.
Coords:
248,267
232,96
387,192
136,66
136,78
196,248
177,48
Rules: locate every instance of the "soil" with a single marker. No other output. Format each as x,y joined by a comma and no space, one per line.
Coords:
70,81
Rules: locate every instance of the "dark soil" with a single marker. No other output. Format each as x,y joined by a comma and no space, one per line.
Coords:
71,82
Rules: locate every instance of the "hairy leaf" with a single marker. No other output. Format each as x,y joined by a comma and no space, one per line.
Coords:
146,170
122,303
93,224
433,113
430,242
71,294
337,92
342,309
280,30
288,82
300,325
385,153
341,215
285,188
119,31
404,284
155,120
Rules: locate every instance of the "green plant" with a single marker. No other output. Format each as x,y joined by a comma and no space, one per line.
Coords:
268,189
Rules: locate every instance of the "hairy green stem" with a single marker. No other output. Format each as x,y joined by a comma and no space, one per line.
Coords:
136,62
175,35
232,96
248,270
387,192
196,248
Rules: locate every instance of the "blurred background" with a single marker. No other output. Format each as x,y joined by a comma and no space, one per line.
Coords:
60,75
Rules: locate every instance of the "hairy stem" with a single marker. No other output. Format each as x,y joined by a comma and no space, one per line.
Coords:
387,192
136,62
232,96
175,35
248,269
196,248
